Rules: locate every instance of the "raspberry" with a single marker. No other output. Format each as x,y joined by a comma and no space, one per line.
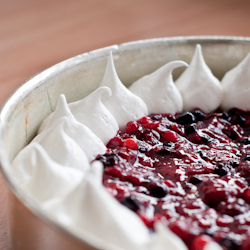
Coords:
132,127
145,120
169,136
152,125
115,142
131,144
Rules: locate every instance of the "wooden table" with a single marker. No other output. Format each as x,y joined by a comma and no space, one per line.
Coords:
37,34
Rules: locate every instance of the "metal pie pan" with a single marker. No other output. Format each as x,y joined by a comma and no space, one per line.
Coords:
30,227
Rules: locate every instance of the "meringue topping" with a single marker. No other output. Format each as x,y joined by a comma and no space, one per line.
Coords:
42,177
236,86
122,103
198,86
91,112
67,141
128,231
158,90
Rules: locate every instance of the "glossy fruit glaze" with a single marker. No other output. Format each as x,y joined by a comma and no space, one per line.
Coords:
191,171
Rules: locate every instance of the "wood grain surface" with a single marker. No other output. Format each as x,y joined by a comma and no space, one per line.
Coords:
36,34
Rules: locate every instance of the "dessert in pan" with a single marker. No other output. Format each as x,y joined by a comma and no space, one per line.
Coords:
160,165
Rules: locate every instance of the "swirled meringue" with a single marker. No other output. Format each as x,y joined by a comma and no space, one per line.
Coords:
236,86
42,177
91,112
128,231
122,103
158,90
198,86
67,141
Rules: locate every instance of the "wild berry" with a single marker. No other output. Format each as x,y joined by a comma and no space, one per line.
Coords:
131,202
199,115
185,118
132,127
131,144
169,136
158,190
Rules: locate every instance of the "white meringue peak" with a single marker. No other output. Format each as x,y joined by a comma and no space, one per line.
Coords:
43,178
66,147
62,110
67,141
91,112
198,86
117,225
236,86
122,103
158,90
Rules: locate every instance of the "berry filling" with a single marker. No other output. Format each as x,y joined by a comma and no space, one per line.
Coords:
190,171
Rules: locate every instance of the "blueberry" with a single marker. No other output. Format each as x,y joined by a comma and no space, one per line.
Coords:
202,154
221,170
168,144
142,150
241,120
235,164
195,180
162,150
204,138
238,120
245,158
185,118
108,159
245,140
131,202
190,128
225,116
199,115
230,134
236,117
158,190
234,112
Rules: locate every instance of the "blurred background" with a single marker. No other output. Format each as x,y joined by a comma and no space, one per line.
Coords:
36,34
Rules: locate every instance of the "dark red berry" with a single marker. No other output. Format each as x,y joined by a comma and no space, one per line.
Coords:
131,144
169,136
131,202
185,118
132,127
